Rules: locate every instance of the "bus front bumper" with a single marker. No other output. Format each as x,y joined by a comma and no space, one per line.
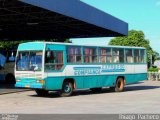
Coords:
35,84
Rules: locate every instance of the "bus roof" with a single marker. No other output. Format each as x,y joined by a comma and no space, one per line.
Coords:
87,45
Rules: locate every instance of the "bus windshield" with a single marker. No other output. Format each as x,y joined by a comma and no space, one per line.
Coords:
29,61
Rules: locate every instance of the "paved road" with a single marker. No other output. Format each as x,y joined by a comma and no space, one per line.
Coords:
139,98
7,89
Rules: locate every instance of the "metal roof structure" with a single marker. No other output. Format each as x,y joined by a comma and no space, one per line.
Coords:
48,19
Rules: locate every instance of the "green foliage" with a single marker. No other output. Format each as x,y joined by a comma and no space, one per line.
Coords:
134,38
68,41
156,56
6,45
59,40
153,69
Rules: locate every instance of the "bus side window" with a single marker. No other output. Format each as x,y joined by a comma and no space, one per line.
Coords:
115,55
136,56
109,55
118,55
59,60
74,55
90,55
129,56
121,56
105,55
142,53
54,60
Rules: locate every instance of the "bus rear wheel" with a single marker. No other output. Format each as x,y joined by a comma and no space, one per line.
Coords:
41,92
67,89
119,85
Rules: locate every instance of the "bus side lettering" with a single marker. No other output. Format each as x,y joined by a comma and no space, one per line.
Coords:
87,71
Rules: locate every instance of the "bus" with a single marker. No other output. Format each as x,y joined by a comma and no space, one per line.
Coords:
7,62
65,67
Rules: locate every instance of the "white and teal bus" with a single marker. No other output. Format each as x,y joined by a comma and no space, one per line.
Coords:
7,62
65,67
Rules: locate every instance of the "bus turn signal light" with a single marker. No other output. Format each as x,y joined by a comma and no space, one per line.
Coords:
41,81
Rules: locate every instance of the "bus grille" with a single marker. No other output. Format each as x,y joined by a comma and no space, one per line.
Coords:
26,75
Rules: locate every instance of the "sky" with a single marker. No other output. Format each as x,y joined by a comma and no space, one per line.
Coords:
139,14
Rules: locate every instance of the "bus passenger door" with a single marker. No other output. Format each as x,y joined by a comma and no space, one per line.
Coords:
54,68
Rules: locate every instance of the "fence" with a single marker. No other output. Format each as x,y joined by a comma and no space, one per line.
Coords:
154,76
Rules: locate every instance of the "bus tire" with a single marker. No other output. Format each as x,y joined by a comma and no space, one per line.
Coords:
10,79
67,89
41,92
96,90
119,85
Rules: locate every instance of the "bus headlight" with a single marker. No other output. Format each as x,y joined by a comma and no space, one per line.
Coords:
41,81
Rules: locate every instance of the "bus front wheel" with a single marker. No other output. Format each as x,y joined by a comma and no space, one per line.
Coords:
67,89
119,85
41,92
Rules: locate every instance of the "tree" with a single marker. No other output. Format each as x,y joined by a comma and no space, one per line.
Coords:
6,45
134,38
59,40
